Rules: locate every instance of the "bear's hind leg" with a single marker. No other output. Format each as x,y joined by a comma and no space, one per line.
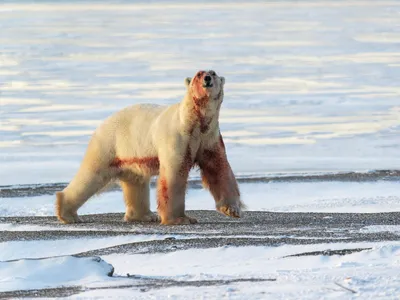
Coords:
63,212
137,201
85,184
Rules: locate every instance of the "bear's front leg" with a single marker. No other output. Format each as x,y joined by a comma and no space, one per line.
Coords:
218,177
171,192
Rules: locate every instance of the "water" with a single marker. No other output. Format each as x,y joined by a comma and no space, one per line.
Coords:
311,86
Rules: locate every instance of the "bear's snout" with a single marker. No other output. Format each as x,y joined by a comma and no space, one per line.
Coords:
207,81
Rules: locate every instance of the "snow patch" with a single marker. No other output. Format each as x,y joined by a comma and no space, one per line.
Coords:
69,246
25,274
335,196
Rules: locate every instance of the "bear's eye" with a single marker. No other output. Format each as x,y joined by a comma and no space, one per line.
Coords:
212,73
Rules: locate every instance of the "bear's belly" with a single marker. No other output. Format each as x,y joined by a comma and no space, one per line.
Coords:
147,166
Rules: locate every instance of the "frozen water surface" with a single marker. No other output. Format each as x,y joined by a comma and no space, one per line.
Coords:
311,86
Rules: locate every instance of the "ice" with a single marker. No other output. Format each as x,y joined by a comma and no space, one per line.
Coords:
310,86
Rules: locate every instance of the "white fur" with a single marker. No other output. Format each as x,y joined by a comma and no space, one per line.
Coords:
126,143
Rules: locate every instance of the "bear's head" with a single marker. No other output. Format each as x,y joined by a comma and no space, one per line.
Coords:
206,87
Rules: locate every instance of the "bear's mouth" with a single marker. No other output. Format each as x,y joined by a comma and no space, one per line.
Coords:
208,85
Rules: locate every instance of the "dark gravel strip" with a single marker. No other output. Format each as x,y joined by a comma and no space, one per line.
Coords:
329,252
142,283
214,230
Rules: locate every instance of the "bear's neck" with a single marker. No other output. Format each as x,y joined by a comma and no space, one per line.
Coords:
200,115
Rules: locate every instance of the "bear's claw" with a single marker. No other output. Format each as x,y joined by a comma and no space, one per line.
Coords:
230,211
180,221
69,219
63,215
150,217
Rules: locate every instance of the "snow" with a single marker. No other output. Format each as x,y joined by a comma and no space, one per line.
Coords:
236,262
307,277
371,273
334,196
40,249
312,87
28,274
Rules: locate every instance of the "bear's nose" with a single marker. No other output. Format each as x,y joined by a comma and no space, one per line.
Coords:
207,78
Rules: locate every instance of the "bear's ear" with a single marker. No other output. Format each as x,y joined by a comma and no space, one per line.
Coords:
222,81
187,81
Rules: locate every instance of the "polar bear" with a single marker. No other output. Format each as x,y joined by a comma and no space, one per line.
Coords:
142,141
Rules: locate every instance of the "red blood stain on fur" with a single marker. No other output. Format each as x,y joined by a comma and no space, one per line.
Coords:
212,163
217,174
162,193
197,84
203,120
200,96
187,163
149,163
221,141
200,101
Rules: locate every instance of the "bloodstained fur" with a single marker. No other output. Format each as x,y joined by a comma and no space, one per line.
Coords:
216,172
200,101
204,123
221,141
152,164
162,189
162,192
187,163
197,82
